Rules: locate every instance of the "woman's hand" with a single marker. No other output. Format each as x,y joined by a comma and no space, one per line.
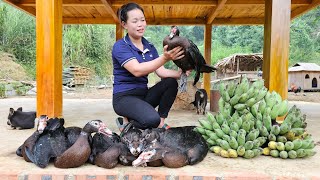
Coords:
188,72
173,54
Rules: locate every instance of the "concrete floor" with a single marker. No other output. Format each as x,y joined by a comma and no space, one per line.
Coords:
79,111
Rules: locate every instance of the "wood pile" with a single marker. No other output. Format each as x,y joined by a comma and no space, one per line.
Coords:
184,99
73,76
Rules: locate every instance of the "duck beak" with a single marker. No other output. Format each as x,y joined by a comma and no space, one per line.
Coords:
143,158
171,35
104,130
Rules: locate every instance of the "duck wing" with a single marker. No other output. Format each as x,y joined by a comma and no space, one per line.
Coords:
76,155
196,58
184,63
199,61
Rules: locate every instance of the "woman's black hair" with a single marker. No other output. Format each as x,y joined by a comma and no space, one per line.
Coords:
123,11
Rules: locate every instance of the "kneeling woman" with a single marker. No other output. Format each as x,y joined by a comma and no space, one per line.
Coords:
133,59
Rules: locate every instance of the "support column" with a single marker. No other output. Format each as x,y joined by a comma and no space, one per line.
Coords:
207,57
49,57
119,31
276,45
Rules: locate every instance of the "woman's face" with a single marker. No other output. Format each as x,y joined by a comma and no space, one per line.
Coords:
135,24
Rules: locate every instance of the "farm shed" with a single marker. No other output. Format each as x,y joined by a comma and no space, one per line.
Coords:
305,75
239,64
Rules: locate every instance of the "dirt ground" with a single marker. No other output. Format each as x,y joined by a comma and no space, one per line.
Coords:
107,93
79,107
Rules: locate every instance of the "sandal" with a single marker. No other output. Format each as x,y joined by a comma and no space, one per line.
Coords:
120,123
126,128
166,126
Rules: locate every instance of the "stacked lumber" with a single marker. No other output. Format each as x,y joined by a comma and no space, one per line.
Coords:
75,75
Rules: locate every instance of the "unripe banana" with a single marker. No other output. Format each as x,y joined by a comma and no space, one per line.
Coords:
231,88
283,109
262,106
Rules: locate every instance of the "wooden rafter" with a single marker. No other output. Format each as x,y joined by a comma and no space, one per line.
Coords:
28,10
261,2
299,11
238,21
88,21
110,10
215,11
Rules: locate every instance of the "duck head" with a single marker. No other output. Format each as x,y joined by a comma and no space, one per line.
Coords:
149,155
42,123
97,126
174,32
133,140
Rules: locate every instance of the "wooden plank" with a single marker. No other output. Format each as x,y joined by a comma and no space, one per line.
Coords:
276,46
110,10
207,55
177,21
215,11
238,21
253,2
99,20
49,57
301,10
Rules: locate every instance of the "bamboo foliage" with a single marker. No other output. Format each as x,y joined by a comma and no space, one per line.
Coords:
91,45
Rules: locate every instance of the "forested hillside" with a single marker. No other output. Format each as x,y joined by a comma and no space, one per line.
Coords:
91,45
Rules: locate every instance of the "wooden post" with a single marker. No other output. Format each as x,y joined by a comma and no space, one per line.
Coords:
49,57
119,31
276,45
207,57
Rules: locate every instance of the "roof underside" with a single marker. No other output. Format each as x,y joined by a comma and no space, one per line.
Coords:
164,12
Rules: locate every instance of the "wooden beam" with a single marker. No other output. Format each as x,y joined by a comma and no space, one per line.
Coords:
238,21
276,46
261,2
49,57
215,11
88,21
301,10
149,21
29,10
176,21
207,55
119,31
109,9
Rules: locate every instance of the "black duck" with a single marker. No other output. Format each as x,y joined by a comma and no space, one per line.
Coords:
192,59
176,147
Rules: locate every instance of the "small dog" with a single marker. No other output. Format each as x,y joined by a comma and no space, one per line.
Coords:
200,101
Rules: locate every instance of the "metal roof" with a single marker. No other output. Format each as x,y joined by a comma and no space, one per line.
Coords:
305,67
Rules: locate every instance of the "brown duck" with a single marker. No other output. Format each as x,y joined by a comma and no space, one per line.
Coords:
192,59
108,151
80,151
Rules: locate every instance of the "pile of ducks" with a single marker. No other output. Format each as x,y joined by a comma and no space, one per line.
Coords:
70,147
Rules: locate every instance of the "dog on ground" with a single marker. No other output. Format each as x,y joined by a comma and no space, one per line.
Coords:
200,101
20,119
